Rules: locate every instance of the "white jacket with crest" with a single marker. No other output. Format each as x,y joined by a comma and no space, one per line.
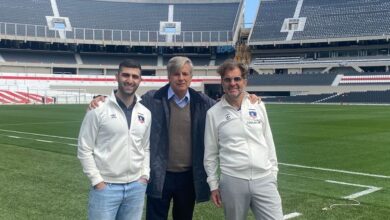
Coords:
108,150
240,143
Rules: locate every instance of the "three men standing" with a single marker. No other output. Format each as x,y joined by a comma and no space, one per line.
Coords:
177,143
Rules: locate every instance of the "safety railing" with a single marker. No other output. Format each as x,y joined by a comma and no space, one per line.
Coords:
112,36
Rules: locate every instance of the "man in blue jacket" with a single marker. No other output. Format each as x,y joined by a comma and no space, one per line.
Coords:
177,144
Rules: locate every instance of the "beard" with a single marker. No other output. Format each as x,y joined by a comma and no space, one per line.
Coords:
126,89
233,94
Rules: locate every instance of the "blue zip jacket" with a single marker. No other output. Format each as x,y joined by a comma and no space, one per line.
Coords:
158,104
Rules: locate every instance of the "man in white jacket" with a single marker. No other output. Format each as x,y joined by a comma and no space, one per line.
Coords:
238,141
113,149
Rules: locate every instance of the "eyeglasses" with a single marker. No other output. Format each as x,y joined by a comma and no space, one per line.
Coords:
235,79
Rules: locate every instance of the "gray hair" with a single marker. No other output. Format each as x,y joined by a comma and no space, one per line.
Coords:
176,63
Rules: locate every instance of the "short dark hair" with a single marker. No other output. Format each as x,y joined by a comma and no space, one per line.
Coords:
231,64
129,63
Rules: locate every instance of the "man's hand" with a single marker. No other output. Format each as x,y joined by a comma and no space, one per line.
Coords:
254,98
216,197
95,102
100,186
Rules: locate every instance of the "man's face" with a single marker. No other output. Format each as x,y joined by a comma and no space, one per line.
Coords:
233,84
181,80
128,80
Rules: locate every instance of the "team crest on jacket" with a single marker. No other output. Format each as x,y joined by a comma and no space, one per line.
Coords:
252,113
141,118
228,117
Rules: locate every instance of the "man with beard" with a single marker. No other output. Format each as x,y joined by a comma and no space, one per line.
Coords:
238,141
113,149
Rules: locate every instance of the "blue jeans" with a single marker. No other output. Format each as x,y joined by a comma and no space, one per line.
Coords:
117,202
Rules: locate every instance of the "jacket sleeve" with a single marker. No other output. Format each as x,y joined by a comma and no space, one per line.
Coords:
210,102
270,142
211,152
146,99
146,146
86,144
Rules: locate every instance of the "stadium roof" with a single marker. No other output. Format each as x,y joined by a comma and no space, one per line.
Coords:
311,21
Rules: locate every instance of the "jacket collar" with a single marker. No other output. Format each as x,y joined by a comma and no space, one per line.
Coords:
112,97
163,93
225,103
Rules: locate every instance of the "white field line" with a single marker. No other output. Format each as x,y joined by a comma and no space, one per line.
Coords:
44,141
43,135
41,123
291,215
370,189
337,171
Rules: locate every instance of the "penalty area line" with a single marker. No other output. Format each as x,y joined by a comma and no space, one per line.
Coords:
370,189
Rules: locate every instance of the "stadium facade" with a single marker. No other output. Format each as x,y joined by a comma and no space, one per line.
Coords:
295,47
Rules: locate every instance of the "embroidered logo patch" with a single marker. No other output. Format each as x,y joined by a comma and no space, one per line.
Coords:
141,118
228,117
253,114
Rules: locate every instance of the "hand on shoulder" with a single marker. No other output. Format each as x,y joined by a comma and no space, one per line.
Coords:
96,102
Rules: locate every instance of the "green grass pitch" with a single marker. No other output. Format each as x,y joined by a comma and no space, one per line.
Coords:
41,178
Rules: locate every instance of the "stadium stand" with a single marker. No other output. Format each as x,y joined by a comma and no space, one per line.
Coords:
125,21
374,97
299,98
365,79
11,97
324,20
340,43
24,12
29,56
222,57
196,60
344,19
94,16
269,20
309,36
367,97
196,17
114,59
291,79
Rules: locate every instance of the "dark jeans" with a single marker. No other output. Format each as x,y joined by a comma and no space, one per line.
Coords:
180,188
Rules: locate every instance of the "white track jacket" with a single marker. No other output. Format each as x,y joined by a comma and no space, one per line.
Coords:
240,140
108,150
